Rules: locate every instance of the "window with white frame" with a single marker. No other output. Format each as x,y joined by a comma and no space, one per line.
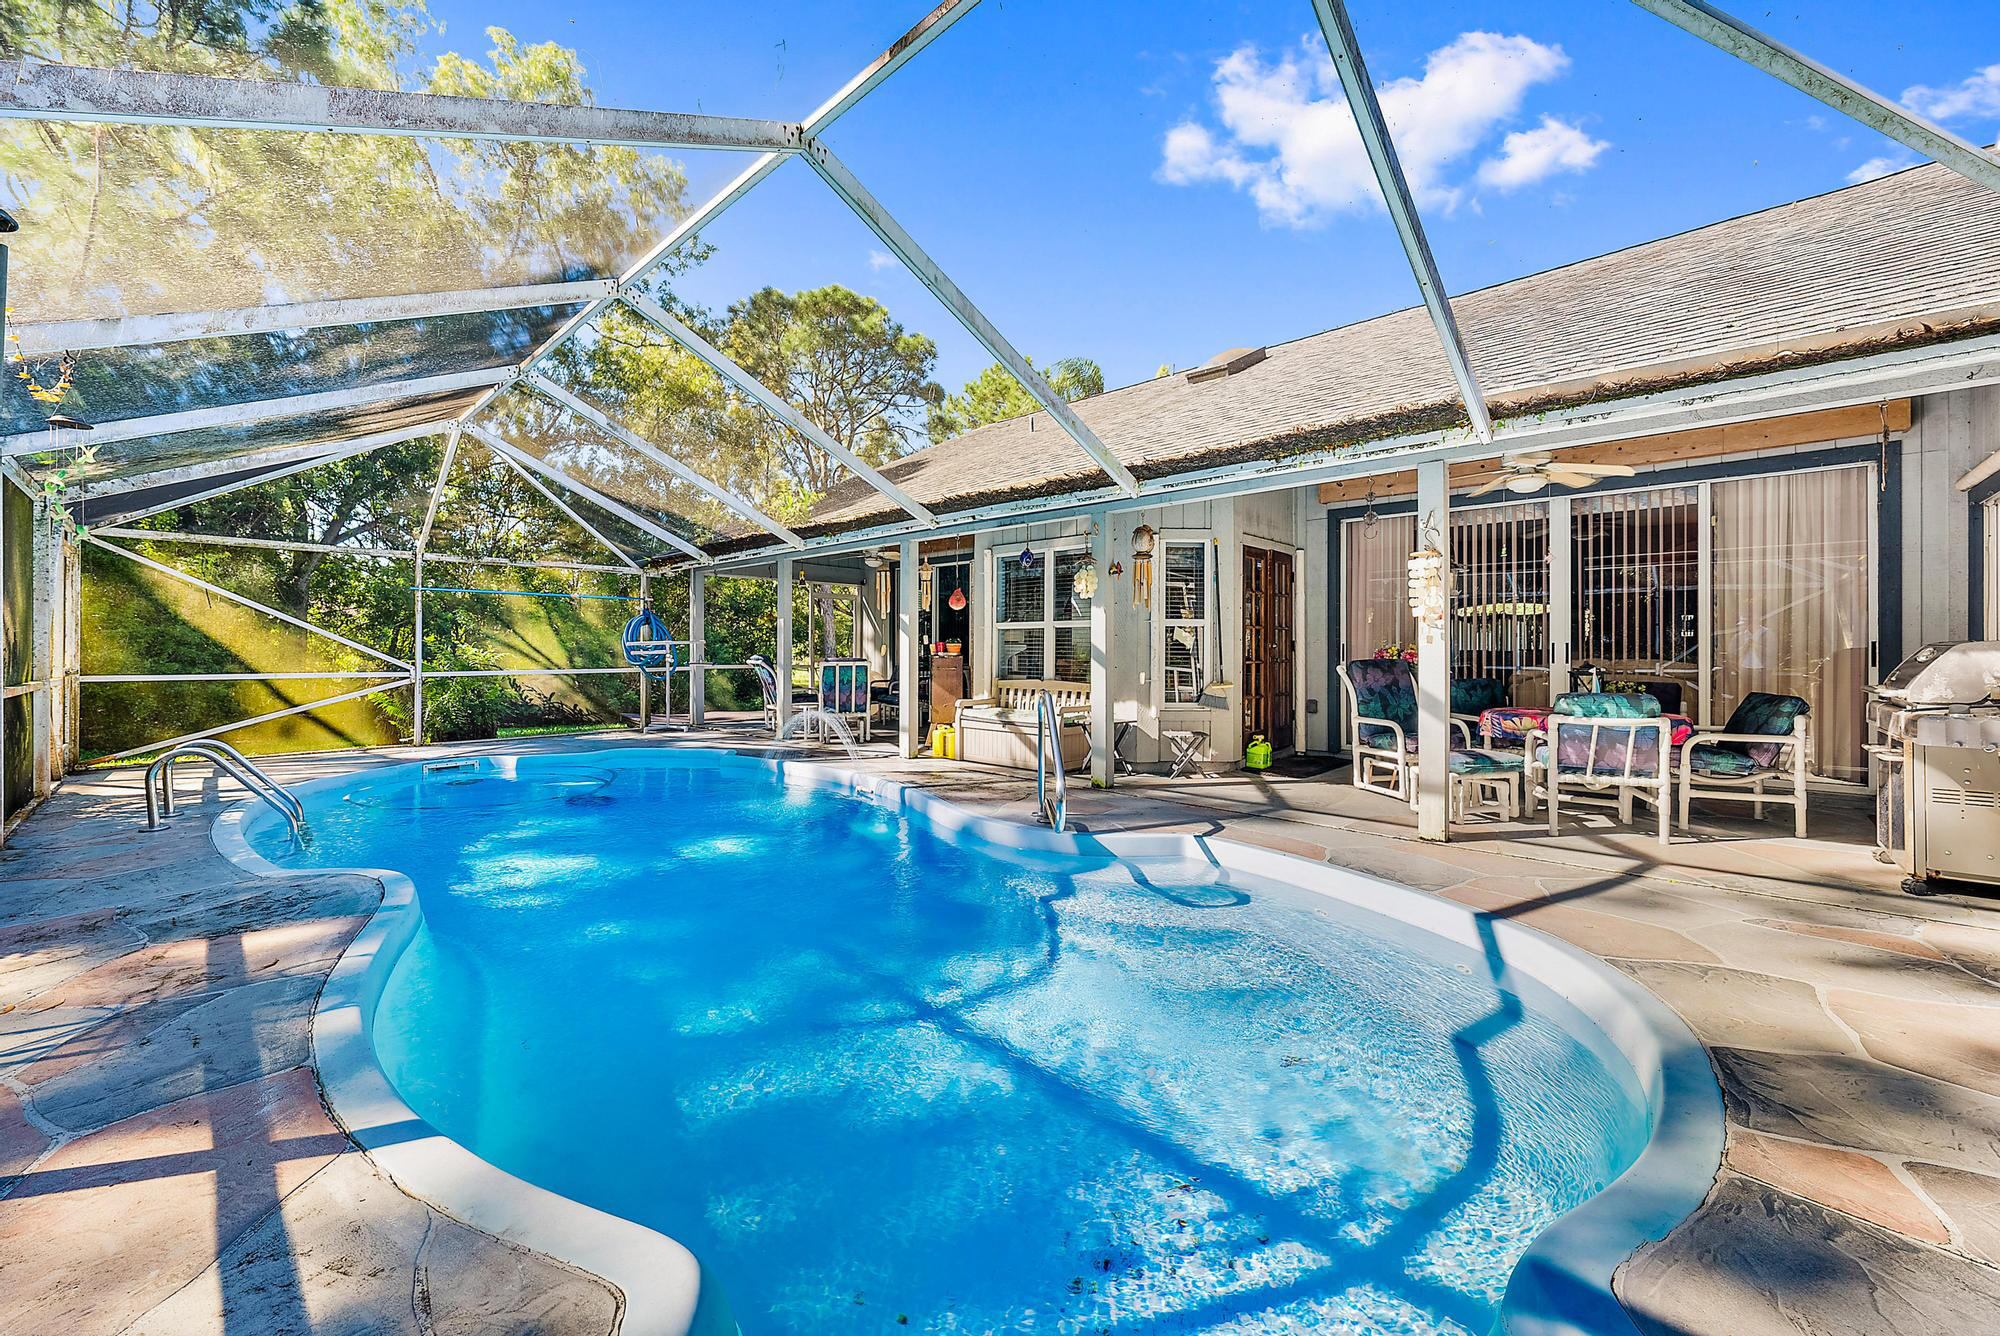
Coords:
1041,620
1185,645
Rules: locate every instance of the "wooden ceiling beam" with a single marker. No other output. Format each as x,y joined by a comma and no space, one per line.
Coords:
1672,447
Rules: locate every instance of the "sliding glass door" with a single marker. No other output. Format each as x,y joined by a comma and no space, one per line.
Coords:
1793,602
1635,620
1697,594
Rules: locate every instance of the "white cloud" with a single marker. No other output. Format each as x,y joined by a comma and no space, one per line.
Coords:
1287,138
1978,94
880,260
1882,166
1528,156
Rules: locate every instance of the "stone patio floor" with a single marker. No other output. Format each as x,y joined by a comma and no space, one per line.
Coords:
166,1164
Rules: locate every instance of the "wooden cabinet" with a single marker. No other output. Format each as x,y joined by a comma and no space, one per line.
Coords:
947,687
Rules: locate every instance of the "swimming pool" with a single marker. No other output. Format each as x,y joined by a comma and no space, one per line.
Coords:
877,1066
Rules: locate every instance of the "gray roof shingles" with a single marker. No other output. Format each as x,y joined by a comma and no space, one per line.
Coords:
1916,245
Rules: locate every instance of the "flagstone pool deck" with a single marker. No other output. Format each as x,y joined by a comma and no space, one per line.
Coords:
166,1163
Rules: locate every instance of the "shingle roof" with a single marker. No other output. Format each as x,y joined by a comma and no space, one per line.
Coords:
1905,250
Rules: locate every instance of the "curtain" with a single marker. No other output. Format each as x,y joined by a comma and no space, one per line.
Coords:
1375,600
1791,602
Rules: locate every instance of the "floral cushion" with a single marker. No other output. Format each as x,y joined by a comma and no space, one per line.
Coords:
1606,705
1767,713
1576,756
1384,689
1471,695
1465,762
1721,761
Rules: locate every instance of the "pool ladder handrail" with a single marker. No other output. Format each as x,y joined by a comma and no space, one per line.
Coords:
160,782
1048,722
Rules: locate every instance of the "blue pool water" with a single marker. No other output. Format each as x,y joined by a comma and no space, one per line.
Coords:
878,1079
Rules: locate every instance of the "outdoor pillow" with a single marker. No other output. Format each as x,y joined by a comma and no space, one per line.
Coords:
1767,713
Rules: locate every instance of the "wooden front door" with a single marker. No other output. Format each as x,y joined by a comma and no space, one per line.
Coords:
1269,644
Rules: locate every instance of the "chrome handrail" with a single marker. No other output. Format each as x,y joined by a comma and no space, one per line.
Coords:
204,746
1048,720
160,782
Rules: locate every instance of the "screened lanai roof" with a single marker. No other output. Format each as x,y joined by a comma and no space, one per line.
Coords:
264,265
1906,259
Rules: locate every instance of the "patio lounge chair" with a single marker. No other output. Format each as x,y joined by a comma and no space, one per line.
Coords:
767,684
1765,740
1382,702
1593,742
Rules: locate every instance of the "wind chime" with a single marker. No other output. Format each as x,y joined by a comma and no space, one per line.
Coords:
1142,566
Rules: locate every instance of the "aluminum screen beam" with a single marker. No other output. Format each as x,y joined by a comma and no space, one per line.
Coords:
264,410
595,497
597,418
145,97
720,362
322,455
549,495
921,34
303,455
251,603
55,336
926,31
437,491
892,234
1402,206
1836,90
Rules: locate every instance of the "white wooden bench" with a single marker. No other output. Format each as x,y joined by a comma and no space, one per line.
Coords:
1000,729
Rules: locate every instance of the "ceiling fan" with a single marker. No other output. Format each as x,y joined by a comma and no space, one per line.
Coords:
1533,470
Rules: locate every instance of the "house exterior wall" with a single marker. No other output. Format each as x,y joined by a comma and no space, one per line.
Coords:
1926,573
1269,519
1949,433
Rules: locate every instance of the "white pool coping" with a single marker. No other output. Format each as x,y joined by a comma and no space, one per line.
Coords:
1562,1286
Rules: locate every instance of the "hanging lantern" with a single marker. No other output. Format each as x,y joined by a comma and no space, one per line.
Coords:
957,600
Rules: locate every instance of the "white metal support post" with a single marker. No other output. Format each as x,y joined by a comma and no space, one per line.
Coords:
1434,662
1103,730
48,561
417,580
1562,581
784,663
906,650
1402,206
646,678
697,647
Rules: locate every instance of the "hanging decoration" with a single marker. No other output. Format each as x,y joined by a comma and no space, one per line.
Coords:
957,600
56,484
1430,583
1085,581
1142,566
1028,559
1368,516
924,588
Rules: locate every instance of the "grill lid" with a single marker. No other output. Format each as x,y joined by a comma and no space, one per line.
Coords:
1944,672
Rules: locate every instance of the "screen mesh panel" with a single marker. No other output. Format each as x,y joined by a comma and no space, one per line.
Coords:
136,458
551,433
111,384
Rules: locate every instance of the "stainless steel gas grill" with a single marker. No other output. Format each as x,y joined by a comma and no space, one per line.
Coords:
1935,725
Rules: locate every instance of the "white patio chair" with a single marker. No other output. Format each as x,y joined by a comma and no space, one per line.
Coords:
1766,740
1601,758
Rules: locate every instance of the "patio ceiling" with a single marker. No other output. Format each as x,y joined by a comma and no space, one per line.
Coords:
198,381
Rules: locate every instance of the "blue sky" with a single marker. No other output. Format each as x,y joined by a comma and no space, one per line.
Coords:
1145,183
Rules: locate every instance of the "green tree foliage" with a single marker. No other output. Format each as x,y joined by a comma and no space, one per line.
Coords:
838,357
994,395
